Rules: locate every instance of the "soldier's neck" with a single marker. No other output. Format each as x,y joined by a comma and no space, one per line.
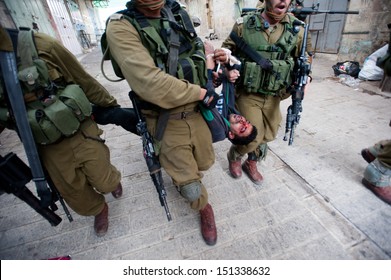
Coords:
150,13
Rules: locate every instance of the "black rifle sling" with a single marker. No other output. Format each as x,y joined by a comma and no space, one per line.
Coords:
256,57
15,97
172,68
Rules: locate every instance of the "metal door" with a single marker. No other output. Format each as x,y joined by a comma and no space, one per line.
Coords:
31,14
64,25
326,28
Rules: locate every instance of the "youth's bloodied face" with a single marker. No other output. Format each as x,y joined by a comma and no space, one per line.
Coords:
240,126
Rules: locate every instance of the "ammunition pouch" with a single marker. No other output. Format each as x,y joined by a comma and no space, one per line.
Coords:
271,82
58,116
256,48
192,69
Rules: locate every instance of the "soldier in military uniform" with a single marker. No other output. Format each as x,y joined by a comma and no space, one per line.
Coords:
140,43
78,164
271,33
377,175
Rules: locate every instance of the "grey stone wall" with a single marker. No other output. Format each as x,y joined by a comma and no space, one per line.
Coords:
365,33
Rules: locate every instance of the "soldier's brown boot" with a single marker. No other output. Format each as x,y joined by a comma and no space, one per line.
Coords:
101,223
208,226
250,168
235,167
234,163
117,193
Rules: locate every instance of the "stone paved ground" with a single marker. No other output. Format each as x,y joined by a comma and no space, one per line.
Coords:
311,206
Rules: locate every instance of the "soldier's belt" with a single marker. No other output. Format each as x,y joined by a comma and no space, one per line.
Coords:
182,115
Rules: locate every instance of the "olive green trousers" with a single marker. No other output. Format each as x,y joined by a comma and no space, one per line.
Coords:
263,111
81,170
186,150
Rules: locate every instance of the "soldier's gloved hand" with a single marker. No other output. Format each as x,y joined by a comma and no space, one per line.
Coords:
217,78
210,76
125,117
210,99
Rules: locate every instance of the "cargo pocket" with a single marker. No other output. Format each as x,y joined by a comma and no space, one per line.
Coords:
44,131
252,76
75,99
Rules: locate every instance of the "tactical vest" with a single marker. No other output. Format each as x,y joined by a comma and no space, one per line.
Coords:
279,53
53,111
191,61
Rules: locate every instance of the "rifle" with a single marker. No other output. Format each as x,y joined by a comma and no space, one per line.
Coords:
302,12
48,194
14,175
150,156
300,77
57,197
14,97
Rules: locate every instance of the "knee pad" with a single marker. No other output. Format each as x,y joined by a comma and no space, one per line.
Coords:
377,174
191,191
262,151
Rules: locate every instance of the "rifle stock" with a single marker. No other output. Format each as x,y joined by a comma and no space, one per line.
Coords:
150,156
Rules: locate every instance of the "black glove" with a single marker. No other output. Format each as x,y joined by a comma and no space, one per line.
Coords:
216,80
210,92
125,117
208,96
210,75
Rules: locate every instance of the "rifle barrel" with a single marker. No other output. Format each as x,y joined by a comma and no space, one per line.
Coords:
336,12
310,11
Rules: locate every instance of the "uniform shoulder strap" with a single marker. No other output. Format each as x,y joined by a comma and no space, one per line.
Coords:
26,49
32,70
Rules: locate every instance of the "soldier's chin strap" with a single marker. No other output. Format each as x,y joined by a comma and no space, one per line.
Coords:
15,98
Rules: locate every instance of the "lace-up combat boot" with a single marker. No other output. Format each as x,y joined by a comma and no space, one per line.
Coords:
250,168
101,223
208,226
234,165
